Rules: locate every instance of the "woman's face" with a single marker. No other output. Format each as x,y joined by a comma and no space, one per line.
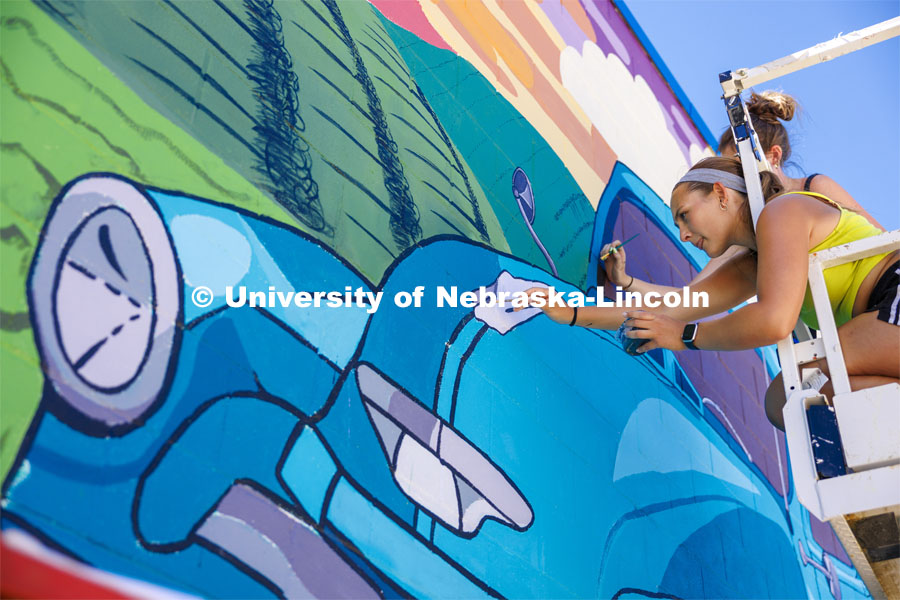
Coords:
700,219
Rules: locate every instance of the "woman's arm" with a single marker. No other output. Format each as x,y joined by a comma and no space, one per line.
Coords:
783,241
615,269
596,317
614,266
728,286
715,263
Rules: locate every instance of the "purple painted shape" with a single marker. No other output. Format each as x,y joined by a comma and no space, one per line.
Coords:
759,423
639,63
652,255
417,421
771,468
826,538
749,409
756,448
414,418
564,23
599,22
281,547
254,550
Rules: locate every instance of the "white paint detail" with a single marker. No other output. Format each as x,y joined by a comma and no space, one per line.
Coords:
626,113
422,476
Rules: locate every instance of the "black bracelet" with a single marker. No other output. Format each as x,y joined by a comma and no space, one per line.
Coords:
630,283
574,315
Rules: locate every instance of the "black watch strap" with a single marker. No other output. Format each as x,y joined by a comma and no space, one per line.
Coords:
689,335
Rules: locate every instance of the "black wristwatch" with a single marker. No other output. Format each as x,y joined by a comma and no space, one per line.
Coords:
689,335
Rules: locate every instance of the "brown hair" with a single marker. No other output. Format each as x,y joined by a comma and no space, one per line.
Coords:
767,110
771,185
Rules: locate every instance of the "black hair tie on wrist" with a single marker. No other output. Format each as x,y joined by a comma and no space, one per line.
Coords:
574,315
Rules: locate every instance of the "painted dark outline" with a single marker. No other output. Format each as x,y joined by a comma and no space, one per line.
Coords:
467,318
459,371
192,537
48,6
93,427
323,411
645,593
96,428
106,246
384,584
319,522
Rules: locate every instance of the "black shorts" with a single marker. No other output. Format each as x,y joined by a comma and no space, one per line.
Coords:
885,296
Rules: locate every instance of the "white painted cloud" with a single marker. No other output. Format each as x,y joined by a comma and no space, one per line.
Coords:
627,114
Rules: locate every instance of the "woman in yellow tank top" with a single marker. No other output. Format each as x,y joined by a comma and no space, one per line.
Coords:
710,207
843,281
769,111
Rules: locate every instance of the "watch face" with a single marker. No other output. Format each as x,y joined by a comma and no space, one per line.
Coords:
689,333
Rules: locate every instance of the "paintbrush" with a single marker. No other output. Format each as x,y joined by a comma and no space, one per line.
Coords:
615,248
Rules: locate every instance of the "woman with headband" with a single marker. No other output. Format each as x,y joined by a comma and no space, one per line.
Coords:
768,110
711,209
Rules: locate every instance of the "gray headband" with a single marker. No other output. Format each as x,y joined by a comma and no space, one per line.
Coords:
729,180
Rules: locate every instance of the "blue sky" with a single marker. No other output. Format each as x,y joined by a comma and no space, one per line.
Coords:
849,125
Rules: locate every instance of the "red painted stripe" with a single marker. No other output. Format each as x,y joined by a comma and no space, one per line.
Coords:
23,576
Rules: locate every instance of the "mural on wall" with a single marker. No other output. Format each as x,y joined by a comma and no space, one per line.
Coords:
159,156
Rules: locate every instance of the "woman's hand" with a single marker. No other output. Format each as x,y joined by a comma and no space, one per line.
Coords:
662,331
614,265
538,297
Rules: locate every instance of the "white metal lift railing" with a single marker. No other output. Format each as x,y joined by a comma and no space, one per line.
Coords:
868,421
